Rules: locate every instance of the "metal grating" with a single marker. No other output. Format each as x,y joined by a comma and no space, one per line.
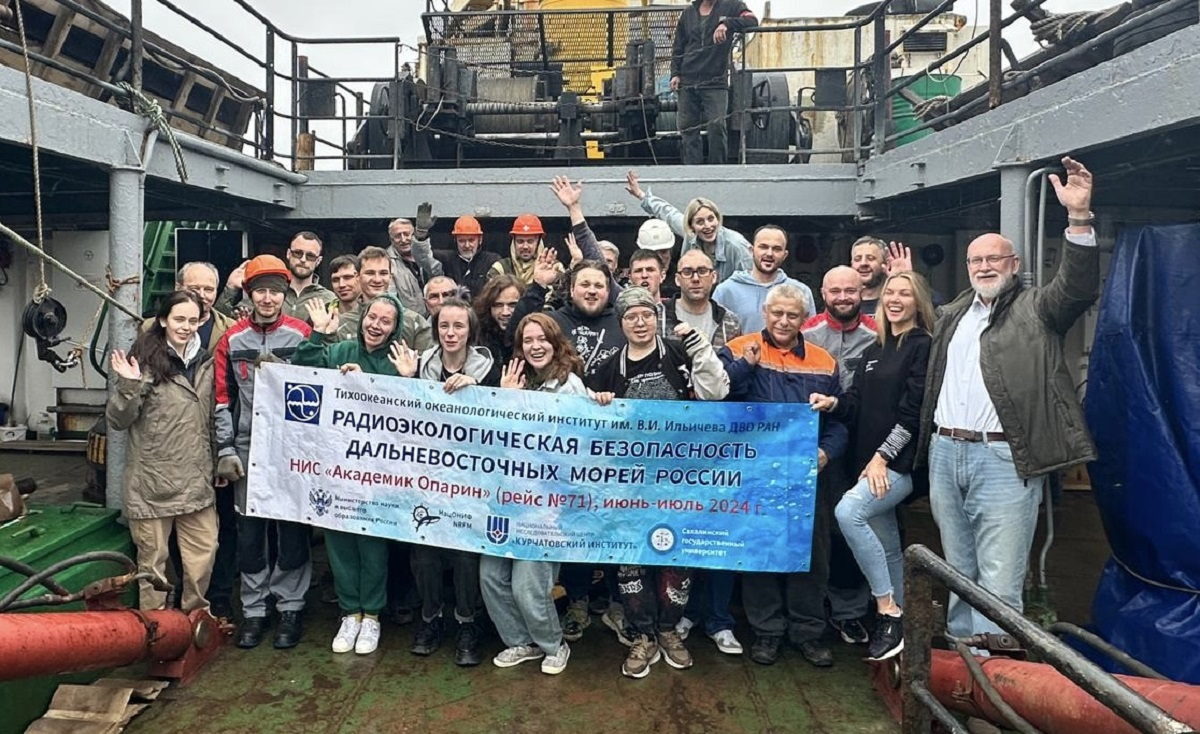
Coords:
498,43
927,41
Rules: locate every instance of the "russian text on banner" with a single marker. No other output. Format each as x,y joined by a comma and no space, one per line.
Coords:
533,475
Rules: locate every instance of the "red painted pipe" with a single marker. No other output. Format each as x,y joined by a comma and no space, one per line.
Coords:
51,643
1048,699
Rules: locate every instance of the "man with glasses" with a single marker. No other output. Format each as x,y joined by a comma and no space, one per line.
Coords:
649,367
696,279
1001,411
303,257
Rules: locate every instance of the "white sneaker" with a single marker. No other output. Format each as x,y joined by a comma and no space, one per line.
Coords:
517,654
368,638
726,642
684,627
557,663
343,641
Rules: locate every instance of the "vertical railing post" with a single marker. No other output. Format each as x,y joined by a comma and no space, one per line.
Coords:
268,152
920,624
856,95
881,78
995,46
295,106
136,45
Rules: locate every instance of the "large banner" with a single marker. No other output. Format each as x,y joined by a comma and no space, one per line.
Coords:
533,475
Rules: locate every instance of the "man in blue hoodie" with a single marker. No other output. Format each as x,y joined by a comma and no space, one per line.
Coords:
745,292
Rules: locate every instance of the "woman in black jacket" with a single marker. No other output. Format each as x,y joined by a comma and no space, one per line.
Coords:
884,406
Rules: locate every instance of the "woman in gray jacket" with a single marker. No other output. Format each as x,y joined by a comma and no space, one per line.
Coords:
164,399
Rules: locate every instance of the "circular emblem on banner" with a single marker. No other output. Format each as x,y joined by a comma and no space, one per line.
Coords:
303,402
662,539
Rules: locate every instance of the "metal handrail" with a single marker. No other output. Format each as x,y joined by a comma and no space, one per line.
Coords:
922,567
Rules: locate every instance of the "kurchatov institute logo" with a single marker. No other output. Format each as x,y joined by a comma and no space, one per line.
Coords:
497,529
302,402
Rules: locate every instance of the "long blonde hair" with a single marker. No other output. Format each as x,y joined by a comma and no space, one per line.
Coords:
925,316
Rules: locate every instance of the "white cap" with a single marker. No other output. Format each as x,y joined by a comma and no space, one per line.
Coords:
654,234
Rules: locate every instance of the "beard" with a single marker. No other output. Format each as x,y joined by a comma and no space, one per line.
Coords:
845,314
990,292
876,280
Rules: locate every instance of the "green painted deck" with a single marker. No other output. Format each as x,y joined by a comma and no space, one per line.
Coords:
310,689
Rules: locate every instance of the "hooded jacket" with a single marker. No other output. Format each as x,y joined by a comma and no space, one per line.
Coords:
513,266
406,284
596,338
732,251
331,352
479,365
413,328
745,296
169,469
691,367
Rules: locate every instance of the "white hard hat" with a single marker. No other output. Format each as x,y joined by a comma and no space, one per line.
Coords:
654,234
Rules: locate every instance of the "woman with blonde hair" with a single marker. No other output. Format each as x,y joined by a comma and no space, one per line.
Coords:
518,593
884,403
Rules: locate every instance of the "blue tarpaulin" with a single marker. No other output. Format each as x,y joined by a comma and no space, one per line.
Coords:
1143,407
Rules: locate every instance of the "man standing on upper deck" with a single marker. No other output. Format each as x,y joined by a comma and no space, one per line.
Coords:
700,55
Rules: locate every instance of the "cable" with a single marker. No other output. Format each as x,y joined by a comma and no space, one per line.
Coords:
37,578
1130,663
57,600
25,569
1011,716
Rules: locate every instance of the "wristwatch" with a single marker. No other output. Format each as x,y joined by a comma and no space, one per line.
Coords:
1086,222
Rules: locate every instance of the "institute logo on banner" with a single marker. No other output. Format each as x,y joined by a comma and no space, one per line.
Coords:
662,538
320,500
302,402
497,529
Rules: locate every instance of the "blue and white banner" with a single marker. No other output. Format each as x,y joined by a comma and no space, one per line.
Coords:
536,476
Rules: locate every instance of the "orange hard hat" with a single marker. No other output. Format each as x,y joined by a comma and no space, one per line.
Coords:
265,265
467,225
527,224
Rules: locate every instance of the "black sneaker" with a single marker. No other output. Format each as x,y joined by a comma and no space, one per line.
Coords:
466,645
851,631
765,650
287,633
816,653
888,638
428,637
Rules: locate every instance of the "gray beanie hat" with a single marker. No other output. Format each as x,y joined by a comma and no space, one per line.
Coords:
635,296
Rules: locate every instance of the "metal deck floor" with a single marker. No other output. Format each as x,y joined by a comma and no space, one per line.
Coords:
310,689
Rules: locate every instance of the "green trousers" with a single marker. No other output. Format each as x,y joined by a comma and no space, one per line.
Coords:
359,564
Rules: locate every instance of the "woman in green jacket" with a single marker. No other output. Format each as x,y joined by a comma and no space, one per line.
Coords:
359,562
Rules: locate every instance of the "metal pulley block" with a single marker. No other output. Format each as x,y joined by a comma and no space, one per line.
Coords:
45,321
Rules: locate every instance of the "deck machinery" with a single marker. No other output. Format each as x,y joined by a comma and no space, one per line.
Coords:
546,85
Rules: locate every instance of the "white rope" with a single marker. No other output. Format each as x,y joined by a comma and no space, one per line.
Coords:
152,111
42,290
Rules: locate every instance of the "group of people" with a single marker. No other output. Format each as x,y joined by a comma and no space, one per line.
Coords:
977,390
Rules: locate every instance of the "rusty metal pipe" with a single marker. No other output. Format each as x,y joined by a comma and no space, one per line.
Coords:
36,644
1050,701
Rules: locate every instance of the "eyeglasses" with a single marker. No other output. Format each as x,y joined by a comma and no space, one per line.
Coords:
693,272
639,318
302,255
974,262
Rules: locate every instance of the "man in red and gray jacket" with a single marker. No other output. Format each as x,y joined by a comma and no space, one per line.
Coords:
266,334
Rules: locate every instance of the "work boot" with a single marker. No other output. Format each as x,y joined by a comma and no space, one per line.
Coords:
765,650
466,645
287,634
250,632
816,653
428,637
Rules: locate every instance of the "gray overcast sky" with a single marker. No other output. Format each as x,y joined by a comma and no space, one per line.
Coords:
402,18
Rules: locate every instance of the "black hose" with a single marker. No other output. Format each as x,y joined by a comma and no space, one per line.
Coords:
24,569
1010,715
1124,659
52,600
36,579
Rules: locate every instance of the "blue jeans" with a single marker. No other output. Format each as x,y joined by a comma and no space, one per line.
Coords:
869,526
518,598
986,515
